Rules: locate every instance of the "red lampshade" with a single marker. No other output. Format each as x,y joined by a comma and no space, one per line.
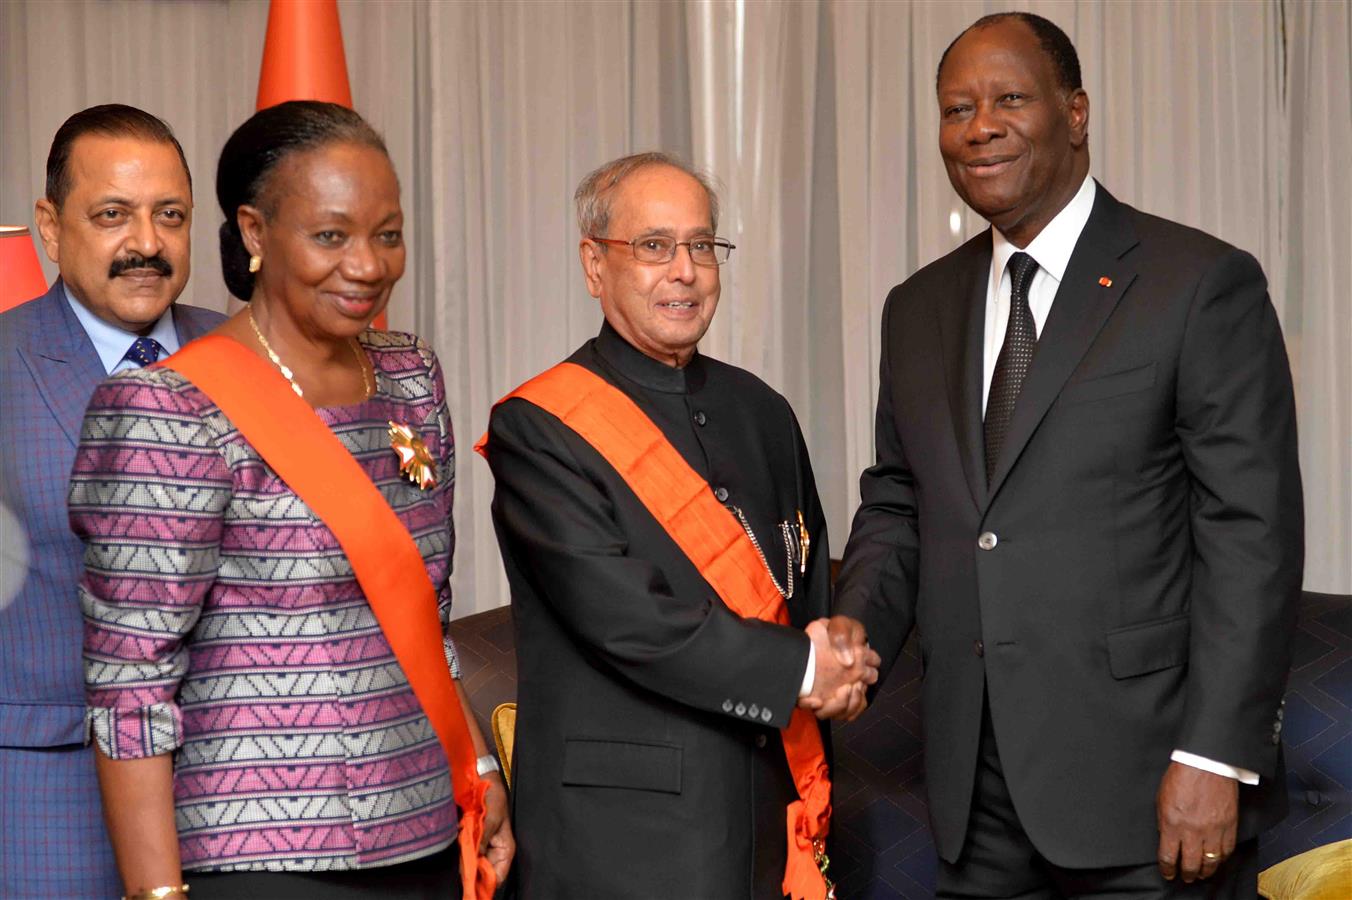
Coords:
21,277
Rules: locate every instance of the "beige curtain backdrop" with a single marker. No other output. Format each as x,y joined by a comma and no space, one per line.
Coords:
818,118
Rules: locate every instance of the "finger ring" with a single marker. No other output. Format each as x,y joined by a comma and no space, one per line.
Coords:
1211,856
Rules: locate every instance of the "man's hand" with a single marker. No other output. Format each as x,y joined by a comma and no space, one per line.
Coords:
846,665
498,845
1198,814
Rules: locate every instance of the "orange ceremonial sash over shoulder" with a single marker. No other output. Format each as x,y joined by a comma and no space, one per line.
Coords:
682,501
304,453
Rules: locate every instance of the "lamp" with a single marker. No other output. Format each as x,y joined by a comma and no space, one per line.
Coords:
21,277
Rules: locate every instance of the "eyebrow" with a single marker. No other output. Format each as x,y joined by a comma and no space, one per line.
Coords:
123,201
703,231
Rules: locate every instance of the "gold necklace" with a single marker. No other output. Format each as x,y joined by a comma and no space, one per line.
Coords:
290,376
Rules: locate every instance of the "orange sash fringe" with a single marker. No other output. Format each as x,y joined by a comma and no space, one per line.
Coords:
301,449
684,505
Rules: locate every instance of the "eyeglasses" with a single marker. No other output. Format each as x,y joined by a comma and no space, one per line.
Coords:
656,249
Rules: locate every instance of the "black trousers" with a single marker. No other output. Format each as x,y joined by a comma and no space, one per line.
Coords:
999,861
435,877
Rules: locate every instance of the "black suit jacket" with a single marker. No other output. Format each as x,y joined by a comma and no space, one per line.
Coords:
648,760
1144,527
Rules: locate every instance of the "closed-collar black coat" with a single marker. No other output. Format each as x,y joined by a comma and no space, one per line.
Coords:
648,760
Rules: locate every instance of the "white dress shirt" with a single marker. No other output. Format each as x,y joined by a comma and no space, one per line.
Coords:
1051,250
112,343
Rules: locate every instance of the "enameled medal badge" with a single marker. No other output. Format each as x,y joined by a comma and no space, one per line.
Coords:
414,461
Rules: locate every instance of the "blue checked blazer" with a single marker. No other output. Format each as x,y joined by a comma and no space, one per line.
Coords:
52,840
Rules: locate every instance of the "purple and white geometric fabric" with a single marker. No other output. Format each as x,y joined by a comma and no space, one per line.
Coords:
223,624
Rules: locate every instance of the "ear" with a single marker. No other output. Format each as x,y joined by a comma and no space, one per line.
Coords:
1077,113
593,264
49,228
253,227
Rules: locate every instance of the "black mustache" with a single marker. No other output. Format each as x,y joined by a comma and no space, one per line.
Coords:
137,261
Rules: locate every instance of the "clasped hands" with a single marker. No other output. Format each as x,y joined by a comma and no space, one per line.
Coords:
846,667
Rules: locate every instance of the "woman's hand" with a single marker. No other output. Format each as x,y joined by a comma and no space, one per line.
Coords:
497,846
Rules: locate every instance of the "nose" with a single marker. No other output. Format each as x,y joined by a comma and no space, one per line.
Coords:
682,265
984,125
144,237
361,262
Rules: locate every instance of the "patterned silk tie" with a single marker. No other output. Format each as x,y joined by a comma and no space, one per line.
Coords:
144,351
1011,366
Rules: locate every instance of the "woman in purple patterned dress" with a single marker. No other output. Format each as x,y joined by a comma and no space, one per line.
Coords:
255,733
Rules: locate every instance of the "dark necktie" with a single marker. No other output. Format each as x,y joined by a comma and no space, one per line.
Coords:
1011,366
144,351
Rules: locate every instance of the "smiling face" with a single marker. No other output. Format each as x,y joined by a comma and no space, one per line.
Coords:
331,240
121,236
662,309
1013,140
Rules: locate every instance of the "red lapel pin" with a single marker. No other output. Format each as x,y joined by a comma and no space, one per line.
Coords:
1106,281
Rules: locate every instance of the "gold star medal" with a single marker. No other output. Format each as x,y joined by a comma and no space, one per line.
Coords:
804,544
414,460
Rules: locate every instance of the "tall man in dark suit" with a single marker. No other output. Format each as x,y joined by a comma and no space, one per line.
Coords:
654,719
116,220
1086,498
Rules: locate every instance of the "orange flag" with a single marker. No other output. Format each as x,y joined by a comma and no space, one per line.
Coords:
303,55
303,59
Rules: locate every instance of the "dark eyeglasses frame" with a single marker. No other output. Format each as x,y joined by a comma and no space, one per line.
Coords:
633,248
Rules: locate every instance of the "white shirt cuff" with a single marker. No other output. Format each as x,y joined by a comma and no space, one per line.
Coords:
1243,776
810,676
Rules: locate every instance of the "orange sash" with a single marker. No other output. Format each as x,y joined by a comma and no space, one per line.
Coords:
302,450
684,505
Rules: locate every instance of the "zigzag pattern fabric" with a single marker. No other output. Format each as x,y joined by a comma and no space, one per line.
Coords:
224,624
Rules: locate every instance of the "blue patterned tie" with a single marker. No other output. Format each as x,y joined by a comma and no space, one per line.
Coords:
144,351
1011,366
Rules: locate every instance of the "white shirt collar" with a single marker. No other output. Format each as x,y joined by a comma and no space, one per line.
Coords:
1053,246
112,343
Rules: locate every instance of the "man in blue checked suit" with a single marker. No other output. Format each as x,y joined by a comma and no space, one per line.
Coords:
116,220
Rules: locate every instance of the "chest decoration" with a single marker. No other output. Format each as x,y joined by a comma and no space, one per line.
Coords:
415,462
804,544
796,545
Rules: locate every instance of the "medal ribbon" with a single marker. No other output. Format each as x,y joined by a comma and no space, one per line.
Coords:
304,453
682,502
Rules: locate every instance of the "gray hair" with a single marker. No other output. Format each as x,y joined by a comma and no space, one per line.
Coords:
594,194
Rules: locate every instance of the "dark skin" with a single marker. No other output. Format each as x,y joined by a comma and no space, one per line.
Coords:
1015,143
332,247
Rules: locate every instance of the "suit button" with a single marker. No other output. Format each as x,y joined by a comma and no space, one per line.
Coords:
753,711
741,709
766,715
1276,738
722,494
760,741
987,541
979,648
700,418
727,706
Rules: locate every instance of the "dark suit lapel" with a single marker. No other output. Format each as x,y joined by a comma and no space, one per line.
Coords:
63,362
1081,307
962,331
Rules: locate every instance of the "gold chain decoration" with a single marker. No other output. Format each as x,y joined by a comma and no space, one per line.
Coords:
290,376
823,863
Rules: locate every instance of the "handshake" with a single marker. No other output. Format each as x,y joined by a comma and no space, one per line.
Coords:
846,666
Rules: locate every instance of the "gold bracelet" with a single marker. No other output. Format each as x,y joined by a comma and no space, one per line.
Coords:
158,893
